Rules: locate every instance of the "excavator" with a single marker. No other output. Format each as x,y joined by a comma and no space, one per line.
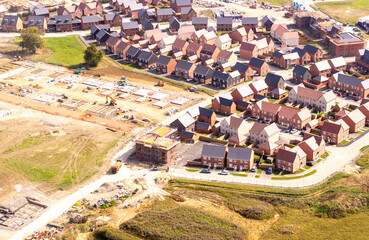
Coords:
112,102
160,84
79,70
123,81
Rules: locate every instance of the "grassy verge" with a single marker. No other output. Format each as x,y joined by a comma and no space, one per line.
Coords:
192,170
239,174
364,148
259,170
295,177
325,155
363,161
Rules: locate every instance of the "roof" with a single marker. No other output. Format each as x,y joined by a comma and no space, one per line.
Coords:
206,112
267,18
256,62
202,125
307,92
10,20
323,65
113,40
234,122
240,153
186,10
356,116
311,49
278,91
225,101
202,70
365,56
181,3
338,62
186,29
300,70
110,16
331,127
173,20
130,25
35,21
193,47
213,151
257,127
223,20
41,11
145,55
164,11
185,66
194,112
220,75
271,129
224,38
300,153
186,120
311,143
286,155
102,35
132,51
241,67
187,134
268,107
247,46
91,19
208,49
299,51
63,19
347,38
250,20
291,56
272,80
245,91
259,85
345,79
163,60
200,20
243,103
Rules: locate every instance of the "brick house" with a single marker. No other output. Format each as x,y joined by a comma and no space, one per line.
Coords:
184,69
200,23
147,25
195,37
225,80
362,58
301,74
266,111
11,23
250,22
122,49
278,93
193,49
262,133
245,70
335,132
224,24
259,87
249,50
174,24
209,52
113,19
102,36
88,21
72,10
232,126
185,32
146,59
184,123
316,54
355,120
38,10
275,81
321,68
165,64
133,10
286,61
131,54
284,35
289,160
223,42
260,66
177,5
208,38
240,158
213,156
313,146
225,56
223,106
179,45
244,94
93,8
303,54
36,21
364,109
338,64
164,14
203,74
345,45
207,116
242,34
187,13
348,84
130,28
267,22
112,44
63,23
293,117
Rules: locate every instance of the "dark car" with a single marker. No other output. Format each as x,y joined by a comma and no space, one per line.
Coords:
135,191
310,163
269,171
253,169
205,171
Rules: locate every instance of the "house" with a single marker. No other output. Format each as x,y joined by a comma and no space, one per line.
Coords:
179,45
301,74
267,22
164,14
157,37
133,9
102,36
225,80
39,10
289,160
96,28
177,5
225,56
130,28
63,23
188,13
131,54
203,74
193,49
244,94
348,84
188,137
213,156
248,50
321,68
174,24
260,66
232,125
122,49
184,69
245,70
207,116
313,146
275,81
185,32
355,120
250,22
259,87
88,21
195,37
362,58
303,54
242,34
223,106
335,132
166,43
286,60
323,101
165,64
208,38
113,19
278,93
184,123
88,9
200,23
316,54
266,111
293,117
209,52
345,44
147,25
262,133
284,36
112,44
11,23
338,64
36,21
224,24
240,158
72,10
269,148
142,15
223,42
146,59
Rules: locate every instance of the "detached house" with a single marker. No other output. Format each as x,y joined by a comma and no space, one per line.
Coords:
177,5
112,44
234,126
174,24
203,74
223,42
335,132
338,64
266,111
242,34
213,156
184,123
274,81
207,116
301,74
321,68
260,66
200,23
249,50
316,54
131,54
122,49
259,87
72,10
164,14
102,36
193,49
223,106
250,22
184,69
130,28
267,22
113,19
209,52
289,160
11,23
179,46
313,146
240,158
245,70
224,24
244,94
147,25
284,36
165,64
225,56
187,13
364,109
225,80
355,120
262,133
88,21
286,60
348,84
208,38
303,54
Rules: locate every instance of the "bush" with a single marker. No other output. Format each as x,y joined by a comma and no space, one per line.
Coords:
109,233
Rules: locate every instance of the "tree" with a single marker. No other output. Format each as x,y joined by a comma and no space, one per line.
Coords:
93,56
31,39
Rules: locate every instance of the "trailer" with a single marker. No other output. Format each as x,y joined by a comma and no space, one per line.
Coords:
116,166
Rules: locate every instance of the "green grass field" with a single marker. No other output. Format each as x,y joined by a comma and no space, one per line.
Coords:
66,51
345,11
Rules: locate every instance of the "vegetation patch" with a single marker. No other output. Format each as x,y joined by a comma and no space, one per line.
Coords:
239,174
109,233
27,143
295,177
364,148
363,161
192,170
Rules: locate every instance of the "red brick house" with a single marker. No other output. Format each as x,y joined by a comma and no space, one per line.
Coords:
88,21
113,19
355,120
259,87
207,116
249,50
223,106
259,65
184,69
164,14
303,54
200,23
130,28
345,45
335,132
92,8
240,158
244,94
72,10
209,52
266,111
242,34
321,68
112,44
316,54
165,64
179,45
293,117
213,156
313,146
122,49
338,64
291,160
348,84
187,13
224,24
11,23
364,109
193,49
245,70
250,22
178,5
286,61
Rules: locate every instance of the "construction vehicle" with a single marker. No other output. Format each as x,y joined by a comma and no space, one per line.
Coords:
79,70
123,81
17,58
160,84
112,102
55,225
116,166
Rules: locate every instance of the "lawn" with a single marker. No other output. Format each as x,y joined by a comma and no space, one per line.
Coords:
364,148
260,170
239,174
66,51
295,177
192,170
348,11
363,161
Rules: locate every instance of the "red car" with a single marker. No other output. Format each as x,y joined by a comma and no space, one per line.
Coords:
340,93
358,98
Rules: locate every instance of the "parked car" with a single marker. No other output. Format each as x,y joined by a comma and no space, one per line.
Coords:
189,79
237,52
135,191
223,172
205,171
310,163
287,130
358,98
344,95
293,131
340,94
253,169
270,171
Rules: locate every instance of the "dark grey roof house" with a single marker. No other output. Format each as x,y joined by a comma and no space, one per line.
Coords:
102,36
174,24
147,25
203,74
132,54
301,73
200,20
146,59
274,81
